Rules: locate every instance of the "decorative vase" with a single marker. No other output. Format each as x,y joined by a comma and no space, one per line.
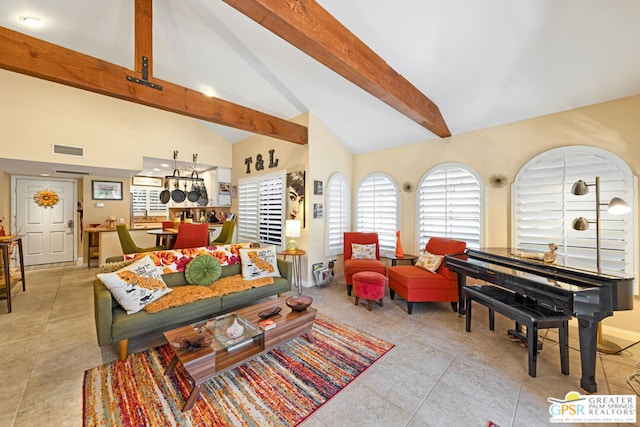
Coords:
235,330
399,251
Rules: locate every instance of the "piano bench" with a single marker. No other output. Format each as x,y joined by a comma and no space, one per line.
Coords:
524,311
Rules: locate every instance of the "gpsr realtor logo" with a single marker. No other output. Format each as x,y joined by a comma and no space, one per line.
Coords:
576,408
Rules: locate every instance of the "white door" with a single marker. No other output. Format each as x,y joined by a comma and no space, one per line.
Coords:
48,232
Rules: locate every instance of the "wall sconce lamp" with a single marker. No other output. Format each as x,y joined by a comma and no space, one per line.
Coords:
292,230
616,206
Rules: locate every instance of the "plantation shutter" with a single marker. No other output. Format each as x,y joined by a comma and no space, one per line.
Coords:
450,205
247,210
377,210
271,210
147,201
261,208
545,209
338,215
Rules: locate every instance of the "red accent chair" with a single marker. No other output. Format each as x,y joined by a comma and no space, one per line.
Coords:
192,236
353,266
416,284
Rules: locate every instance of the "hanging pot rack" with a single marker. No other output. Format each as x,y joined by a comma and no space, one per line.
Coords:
176,170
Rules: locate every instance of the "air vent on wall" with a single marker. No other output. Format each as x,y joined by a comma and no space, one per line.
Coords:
72,172
68,150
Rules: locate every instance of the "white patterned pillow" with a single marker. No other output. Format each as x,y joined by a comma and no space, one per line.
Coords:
259,262
136,285
429,262
359,251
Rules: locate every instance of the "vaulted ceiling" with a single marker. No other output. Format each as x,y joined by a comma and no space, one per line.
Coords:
481,63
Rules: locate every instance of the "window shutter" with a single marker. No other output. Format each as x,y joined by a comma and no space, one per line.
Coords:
377,209
271,210
338,215
247,210
450,205
147,200
545,208
261,208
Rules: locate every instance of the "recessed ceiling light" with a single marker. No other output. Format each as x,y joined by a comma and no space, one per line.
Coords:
44,174
31,21
164,165
157,169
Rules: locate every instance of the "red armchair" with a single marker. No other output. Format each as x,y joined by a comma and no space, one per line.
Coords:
416,284
192,236
353,266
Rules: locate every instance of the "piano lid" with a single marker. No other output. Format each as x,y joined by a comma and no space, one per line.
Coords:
508,257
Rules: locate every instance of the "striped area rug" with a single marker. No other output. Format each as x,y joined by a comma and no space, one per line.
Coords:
280,388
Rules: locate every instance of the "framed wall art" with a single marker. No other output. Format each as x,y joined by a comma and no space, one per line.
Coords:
106,190
295,196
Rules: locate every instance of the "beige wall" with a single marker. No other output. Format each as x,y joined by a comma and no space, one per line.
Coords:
116,134
322,157
613,126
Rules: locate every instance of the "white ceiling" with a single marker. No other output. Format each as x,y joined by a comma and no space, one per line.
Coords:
483,63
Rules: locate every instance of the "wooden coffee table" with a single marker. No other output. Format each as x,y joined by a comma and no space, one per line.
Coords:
206,363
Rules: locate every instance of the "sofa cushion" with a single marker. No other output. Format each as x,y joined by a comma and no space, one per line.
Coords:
429,261
359,251
136,285
203,270
176,260
259,262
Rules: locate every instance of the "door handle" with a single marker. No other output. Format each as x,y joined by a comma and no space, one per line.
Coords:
70,224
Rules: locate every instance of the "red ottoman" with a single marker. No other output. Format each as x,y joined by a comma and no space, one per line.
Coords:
369,286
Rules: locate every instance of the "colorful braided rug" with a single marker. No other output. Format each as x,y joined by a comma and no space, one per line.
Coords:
280,388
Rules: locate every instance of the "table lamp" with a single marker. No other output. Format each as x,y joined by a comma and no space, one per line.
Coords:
292,230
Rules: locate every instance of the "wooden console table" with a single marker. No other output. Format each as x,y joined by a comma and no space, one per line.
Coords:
5,245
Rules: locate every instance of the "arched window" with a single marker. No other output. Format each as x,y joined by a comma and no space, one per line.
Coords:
450,203
377,209
338,215
545,208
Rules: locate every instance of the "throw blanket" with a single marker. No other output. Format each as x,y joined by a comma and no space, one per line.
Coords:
182,295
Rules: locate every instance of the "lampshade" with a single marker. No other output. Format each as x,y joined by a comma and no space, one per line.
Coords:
292,228
580,224
617,206
579,188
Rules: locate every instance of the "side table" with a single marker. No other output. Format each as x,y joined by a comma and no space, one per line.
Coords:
297,266
394,259
5,246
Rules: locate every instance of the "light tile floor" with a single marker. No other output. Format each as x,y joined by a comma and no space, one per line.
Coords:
437,374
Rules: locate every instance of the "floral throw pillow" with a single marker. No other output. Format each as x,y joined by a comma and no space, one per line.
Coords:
359,251
171,261
136,285
429,262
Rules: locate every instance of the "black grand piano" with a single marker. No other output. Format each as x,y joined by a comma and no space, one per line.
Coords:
588,295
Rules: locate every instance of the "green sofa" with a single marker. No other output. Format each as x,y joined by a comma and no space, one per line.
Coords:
113,324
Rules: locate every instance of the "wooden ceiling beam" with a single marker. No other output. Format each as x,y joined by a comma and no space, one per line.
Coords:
34,57
143,28
310,28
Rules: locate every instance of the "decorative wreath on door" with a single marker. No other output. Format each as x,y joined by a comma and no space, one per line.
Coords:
46,198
